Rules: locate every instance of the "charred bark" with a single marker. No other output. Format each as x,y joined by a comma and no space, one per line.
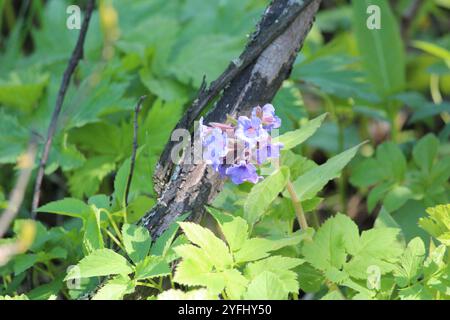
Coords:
252,80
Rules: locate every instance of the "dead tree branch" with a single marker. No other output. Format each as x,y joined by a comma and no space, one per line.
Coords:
253,80
76,56
135,147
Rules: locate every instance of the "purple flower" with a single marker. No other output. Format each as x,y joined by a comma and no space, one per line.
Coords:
250,130
267,115
266,151
214,146
242,172
234,148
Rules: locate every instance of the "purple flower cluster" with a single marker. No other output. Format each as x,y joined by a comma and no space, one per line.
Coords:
235,147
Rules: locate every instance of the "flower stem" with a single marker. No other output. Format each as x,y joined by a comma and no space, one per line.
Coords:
297,206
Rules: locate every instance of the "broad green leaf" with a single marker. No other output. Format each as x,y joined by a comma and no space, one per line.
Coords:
366,173
309,184
92,237
293,138
391,159
328,248
115,289
258,248
68,207
381,49
396,198
188,273
23,262
377,247
376,194
235,232
101,262
165,240
152,267
216,250
137,241
310,279
263,193
425,152
281,266
120,183
266,286
192,61
438,223
411,263
14,138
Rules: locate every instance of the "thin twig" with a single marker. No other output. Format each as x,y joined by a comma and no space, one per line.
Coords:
77,55
25,163
135,146
297,206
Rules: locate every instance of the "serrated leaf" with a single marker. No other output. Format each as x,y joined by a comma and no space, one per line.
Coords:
411,263
216,250
115,289
165,240
266,286
328,248
101,262
137,241
235,232
152,267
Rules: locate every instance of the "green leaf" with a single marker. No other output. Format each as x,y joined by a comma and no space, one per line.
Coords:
392,160
152,267
68,207
266,286
258,248
165,240
309,184
14,138
263,193
92,238
235,232
293,138
376,194
120,183
23,262
101,262
411,263
309,278
377,247
381,49
137,241
328,248
396,198
281,266
438,223
193,61
367,173
425,152
215,249
115,289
